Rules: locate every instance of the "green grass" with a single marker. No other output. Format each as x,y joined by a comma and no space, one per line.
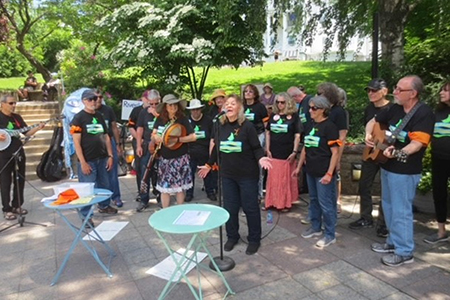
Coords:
13,83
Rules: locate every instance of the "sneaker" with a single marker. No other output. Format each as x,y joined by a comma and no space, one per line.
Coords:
141,207
107,210
305,221
361,223
382,248
252,249
138,198
188,198
229,245
394,260
212,197
89,222
325,241
118,203
310,233
382,231
434,239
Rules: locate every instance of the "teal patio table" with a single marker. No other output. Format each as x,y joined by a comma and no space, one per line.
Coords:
170,221
99,196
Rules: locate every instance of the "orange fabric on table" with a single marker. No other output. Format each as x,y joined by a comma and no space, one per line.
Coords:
66,197
281,187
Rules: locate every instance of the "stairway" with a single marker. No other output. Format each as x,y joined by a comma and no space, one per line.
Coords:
33,113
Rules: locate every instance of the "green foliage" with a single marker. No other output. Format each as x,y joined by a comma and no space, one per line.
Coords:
12,63
425,182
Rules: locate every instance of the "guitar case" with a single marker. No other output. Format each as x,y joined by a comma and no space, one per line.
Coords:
44,158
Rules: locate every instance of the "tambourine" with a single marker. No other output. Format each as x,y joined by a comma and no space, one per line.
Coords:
171,134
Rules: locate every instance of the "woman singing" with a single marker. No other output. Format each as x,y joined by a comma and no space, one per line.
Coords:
174,172
240,153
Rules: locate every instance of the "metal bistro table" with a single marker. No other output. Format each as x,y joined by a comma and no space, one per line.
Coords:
99,196
163,221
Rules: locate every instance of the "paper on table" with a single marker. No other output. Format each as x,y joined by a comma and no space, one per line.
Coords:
51,198
83,200
166,268
192,217
107,230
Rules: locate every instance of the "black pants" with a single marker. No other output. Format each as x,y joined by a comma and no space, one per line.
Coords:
137,165
440,171
8,176
368,172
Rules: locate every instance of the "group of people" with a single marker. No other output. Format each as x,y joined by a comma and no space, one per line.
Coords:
283,135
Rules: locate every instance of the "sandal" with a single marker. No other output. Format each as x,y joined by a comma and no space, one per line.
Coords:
17,210
9,216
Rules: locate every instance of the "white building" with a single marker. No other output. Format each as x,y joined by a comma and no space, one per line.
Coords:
293,48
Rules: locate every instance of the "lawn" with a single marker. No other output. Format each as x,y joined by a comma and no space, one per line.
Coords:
13,83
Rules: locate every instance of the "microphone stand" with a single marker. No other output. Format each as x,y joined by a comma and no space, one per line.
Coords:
224,263
17,157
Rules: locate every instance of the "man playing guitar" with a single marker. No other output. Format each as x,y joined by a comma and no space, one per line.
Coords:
12,121
400,179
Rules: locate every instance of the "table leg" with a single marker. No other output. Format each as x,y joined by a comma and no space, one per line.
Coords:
78,232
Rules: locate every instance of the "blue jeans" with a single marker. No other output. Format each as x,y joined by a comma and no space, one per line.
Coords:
210,181
114,185
398,192
99,175
323,205
243,193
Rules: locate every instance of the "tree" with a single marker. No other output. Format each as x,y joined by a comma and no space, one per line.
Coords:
348,18
170,40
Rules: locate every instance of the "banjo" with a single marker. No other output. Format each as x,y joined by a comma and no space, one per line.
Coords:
9,134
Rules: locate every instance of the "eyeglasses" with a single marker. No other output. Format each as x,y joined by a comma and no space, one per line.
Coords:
314,108
91,99
400,90
248,91
371,91
282,102
12,103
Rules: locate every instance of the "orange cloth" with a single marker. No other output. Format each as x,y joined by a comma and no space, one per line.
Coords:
281,187
66,197
421,137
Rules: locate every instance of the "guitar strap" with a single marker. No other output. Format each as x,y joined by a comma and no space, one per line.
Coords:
391,139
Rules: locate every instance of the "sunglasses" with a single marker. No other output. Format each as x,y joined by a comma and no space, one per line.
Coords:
371,91
282,102
314,108
11,103
92,99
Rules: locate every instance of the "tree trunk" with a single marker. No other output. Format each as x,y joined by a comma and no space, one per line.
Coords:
34,62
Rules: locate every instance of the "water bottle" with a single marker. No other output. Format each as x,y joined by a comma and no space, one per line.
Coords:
269,217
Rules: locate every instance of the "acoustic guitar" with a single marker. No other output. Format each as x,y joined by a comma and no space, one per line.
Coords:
380,136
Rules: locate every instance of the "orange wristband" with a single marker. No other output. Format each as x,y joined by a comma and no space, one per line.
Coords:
328,173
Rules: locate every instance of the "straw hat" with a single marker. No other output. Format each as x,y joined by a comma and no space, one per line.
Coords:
268,85
218,93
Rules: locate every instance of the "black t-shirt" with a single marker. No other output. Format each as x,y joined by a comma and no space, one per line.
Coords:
12,122
240,151
146,120
282,129
109,116
440,142
202,129
257,114
93,129
371,111
339,116
165,152
422,122
303,113
318,152
134,115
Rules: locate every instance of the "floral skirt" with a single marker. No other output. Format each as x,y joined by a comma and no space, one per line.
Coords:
174,175
281,187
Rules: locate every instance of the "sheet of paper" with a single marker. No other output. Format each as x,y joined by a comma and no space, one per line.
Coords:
107,230
166,268
83,200
192,217
51,198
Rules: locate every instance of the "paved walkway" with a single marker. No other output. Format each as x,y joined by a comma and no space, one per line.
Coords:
286,266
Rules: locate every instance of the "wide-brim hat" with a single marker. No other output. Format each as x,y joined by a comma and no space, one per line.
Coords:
376,84
218,93
268,85
170,99
195,104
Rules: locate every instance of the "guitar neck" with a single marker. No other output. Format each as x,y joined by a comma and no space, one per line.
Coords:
16,132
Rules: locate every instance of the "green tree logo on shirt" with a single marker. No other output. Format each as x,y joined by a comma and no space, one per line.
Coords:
446,120
312,132
398,123
10,125
247,111
231,137
280,121
196,128
94,121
